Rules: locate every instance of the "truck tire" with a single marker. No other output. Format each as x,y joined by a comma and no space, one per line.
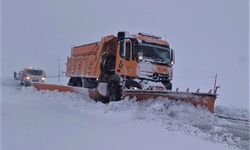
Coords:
168,85
108,64
75,81
114,90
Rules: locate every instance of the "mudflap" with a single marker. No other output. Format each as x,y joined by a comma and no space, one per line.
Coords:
206,100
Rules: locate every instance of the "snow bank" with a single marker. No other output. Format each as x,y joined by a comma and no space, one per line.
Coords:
53,120
233,112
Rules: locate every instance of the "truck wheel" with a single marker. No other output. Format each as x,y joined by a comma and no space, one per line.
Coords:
108,64
114,90
168,85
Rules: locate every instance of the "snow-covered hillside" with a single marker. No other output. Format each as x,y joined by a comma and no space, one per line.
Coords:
33,120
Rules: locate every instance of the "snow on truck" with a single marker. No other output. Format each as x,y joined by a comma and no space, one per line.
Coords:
127,65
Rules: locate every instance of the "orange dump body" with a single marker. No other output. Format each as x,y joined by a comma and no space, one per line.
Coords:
85,59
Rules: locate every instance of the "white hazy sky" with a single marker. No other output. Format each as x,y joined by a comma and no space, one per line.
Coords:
209,36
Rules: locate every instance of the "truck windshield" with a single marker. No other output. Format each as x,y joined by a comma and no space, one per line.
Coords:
155,52
35,72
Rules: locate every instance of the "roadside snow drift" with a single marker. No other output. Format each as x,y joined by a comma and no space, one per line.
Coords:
52,120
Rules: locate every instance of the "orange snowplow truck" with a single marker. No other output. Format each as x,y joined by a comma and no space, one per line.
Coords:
125,61
127,65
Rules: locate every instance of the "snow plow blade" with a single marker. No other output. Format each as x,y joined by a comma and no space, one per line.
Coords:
206,100
52,87
92,93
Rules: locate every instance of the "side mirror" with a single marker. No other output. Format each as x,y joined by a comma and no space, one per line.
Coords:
140,55
122,35
172,55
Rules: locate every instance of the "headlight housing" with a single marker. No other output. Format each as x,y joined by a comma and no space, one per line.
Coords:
135,88
28,78
43,78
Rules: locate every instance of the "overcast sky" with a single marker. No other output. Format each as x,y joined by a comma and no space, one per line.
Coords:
209,36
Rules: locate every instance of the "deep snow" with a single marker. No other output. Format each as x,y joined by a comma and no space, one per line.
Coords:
52,120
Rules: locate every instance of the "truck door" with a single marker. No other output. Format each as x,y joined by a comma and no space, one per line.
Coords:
125,64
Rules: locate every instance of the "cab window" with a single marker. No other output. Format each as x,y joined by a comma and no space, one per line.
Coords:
128,49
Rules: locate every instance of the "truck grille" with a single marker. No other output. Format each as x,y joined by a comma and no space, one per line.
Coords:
154,77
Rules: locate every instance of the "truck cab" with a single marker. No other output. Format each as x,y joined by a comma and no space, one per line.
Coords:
144,57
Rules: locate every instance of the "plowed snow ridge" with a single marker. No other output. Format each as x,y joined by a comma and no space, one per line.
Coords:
171,115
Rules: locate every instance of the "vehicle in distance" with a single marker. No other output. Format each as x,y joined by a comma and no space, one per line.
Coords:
30,75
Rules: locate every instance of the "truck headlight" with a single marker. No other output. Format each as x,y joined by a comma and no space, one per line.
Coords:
172,62
140,57
134,88
28,78
43,78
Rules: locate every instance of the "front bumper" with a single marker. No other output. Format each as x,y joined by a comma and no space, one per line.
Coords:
31,81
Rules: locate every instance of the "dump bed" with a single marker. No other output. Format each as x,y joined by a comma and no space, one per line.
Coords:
82,61
85,50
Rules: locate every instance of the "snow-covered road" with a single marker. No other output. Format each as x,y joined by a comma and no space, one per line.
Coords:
63,121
